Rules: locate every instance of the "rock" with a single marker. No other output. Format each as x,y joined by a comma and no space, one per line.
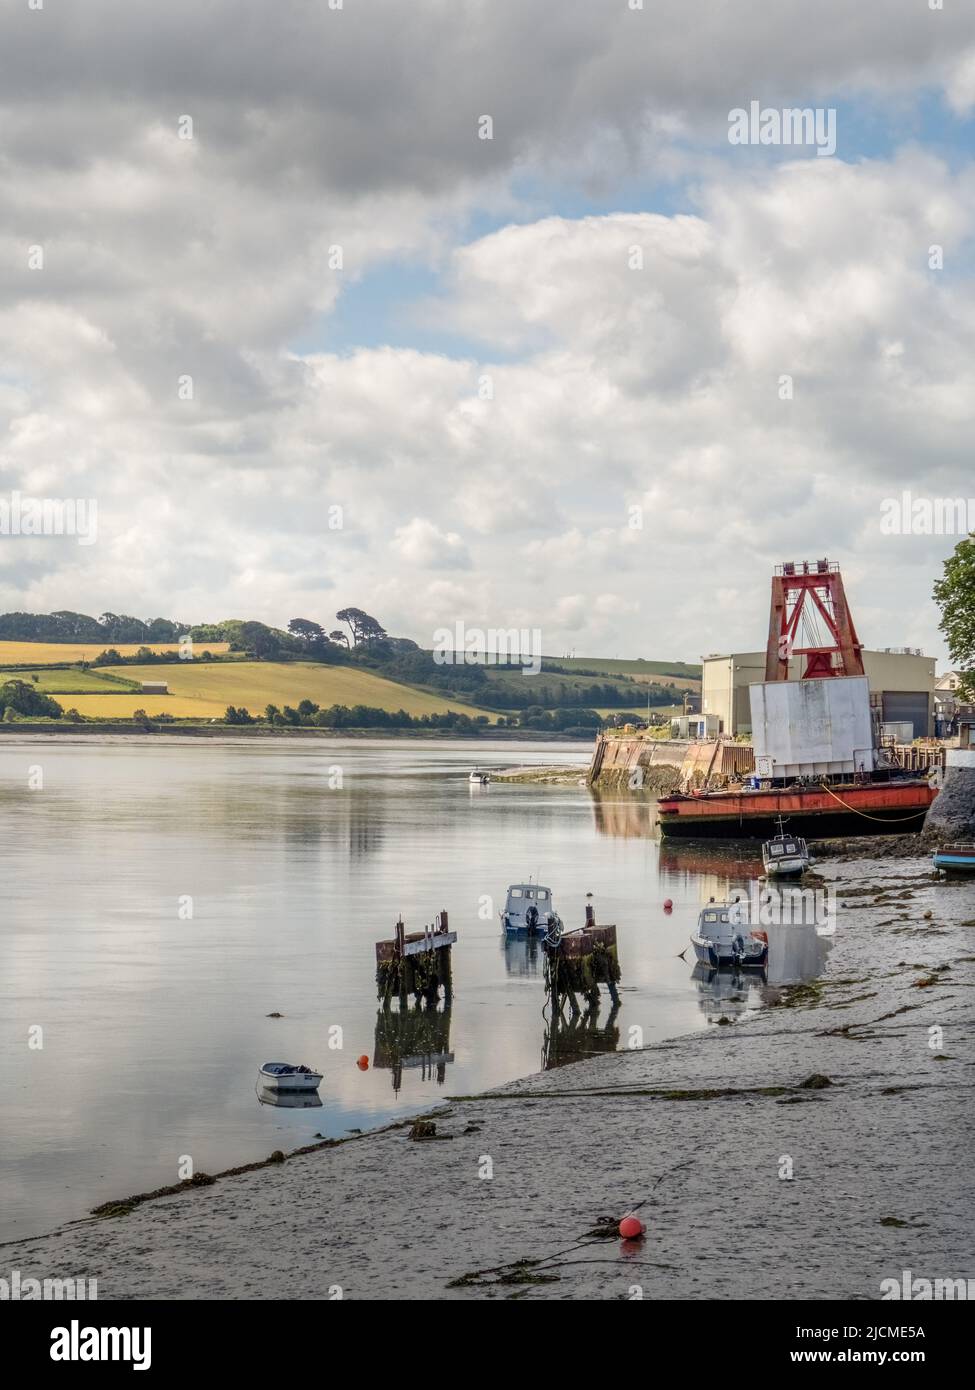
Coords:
951,816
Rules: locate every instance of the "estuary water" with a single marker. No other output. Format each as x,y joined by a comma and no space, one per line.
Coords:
164,897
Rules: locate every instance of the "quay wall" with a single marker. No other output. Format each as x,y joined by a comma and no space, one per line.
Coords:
661,765
951,816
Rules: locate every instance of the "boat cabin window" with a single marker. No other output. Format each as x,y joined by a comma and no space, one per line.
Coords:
776,849
515,893
543,895
710,916
790,849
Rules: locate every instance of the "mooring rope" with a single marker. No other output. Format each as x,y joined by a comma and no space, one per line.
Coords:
886,820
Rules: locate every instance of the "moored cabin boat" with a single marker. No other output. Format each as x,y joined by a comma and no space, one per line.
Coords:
722,939
785,856
528,910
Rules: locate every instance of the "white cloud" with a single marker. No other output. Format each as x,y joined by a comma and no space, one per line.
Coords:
611,387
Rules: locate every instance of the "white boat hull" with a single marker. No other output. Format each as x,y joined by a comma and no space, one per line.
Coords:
291,1081
786,868
716,953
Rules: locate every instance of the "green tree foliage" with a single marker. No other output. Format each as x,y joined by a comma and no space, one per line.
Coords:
260,641
363,626
955,595
20,698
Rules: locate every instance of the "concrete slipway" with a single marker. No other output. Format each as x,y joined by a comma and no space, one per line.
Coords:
696,1129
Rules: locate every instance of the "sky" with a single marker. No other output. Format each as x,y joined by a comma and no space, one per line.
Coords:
470,311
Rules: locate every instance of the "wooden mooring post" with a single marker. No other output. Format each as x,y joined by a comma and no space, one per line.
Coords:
578,962
416,963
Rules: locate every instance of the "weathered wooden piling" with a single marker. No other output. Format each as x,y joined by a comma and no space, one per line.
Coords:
578,962
416,963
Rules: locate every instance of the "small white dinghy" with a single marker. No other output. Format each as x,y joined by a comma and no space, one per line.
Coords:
722,939
286,1076
479,778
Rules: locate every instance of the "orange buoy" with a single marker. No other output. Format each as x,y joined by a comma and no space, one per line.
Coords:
362,1062
631,1228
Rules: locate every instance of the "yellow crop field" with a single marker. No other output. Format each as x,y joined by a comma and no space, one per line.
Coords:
205,689
37,653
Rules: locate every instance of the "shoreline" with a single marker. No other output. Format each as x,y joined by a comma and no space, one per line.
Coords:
487,733
694,1130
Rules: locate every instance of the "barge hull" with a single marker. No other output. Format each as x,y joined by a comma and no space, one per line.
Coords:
815,814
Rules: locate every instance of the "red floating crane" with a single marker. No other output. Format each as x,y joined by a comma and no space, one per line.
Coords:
803,592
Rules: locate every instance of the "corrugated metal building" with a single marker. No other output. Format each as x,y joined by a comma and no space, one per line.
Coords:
902,683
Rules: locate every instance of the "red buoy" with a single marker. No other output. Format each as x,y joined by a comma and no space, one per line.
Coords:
362,1062
667,904
631,1228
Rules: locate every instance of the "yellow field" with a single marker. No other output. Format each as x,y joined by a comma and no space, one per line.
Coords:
206,690
44,653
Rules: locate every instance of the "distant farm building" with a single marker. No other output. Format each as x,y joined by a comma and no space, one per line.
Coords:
154,687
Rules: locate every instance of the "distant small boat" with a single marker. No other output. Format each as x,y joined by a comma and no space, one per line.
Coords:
479,777
286,1076
955,859
721,941
528,910
785,856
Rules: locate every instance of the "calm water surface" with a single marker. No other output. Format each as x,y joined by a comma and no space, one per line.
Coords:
155,1023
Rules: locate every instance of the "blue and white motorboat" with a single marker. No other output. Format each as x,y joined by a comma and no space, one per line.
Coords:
955,859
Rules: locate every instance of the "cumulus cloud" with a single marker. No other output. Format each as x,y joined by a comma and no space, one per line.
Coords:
608,452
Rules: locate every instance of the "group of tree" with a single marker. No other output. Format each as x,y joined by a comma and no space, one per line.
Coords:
65,626
145,656
19,697
307,713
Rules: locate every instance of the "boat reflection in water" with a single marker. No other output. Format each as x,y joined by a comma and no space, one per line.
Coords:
796,954
575,1038
289,1100
416,1038
727,992
522,955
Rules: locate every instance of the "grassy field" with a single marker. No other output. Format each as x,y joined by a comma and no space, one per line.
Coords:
54,681
47,653
206,690
680,673
556,683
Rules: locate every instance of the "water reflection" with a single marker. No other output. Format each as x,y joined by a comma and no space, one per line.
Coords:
628,818
574,1038
289,1100
796,955
727,993
416,1038
522,955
